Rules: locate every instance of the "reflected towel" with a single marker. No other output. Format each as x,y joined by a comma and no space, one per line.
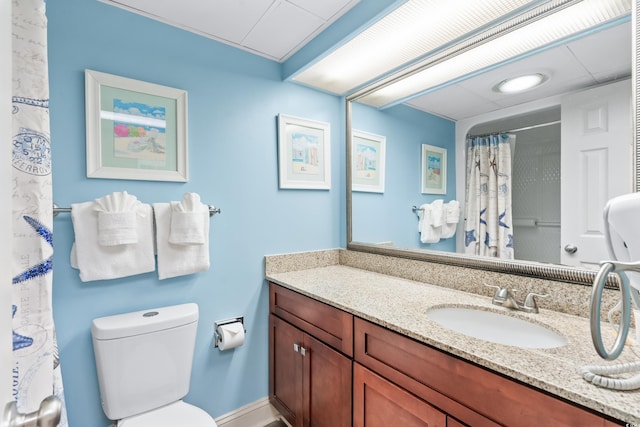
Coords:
177,260
451,214
428,233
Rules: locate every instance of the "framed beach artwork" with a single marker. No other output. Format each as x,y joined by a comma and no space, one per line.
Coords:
135,130
434,170
304,153
368,162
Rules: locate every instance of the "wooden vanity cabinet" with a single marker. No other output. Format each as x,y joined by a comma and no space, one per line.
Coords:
467,393
310,360
328,368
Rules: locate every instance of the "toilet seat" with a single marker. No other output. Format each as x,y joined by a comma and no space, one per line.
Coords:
175,414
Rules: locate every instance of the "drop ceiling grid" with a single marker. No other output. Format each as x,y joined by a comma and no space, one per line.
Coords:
271,28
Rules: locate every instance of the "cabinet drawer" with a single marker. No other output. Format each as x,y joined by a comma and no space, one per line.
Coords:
330,325
472,394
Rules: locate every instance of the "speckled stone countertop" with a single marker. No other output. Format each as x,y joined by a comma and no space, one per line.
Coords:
400,305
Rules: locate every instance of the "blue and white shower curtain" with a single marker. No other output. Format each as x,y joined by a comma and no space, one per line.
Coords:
488,224
36,372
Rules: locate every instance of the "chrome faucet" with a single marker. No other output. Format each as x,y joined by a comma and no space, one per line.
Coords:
506,298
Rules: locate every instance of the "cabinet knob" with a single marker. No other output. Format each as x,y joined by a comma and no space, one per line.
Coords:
296,348
303,351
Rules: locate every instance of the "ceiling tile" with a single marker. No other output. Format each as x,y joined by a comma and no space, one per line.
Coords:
282,29
453,102
229,20
324,9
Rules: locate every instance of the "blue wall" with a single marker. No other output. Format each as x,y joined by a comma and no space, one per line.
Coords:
234,98
388,217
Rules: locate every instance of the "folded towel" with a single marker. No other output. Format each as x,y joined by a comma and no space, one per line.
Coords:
177,260
437,212
188,221
428,233
98,262
117,223
451,214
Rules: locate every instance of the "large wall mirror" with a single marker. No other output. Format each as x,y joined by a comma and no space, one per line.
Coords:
574,146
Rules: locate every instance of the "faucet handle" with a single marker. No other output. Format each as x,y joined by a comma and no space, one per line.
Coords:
501,293
530,303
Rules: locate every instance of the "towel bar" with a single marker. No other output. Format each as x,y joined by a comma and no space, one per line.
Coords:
57,209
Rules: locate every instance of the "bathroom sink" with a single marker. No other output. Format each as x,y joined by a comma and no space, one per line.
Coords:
496,327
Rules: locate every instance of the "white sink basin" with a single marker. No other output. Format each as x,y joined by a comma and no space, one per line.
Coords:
496,327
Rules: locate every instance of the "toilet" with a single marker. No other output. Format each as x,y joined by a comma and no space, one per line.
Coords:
144,363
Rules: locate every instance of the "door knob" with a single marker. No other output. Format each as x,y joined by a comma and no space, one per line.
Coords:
571,249
48,415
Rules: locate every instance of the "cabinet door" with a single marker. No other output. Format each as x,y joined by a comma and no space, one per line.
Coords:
285,370
379,403
326,385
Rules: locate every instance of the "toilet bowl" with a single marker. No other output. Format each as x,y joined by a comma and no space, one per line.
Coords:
143,361
173,415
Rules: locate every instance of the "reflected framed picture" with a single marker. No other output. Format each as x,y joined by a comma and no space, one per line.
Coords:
135,130
434,170
368,161
304,153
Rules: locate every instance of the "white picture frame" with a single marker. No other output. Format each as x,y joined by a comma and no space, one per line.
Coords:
368,156
304,153
433,174
134,129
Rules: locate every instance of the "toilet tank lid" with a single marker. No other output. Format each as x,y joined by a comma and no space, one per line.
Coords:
144,321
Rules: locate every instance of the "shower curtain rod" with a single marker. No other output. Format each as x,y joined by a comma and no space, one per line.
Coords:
555,122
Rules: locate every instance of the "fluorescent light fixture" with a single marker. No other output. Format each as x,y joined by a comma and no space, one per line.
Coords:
450,66
520,83
411,31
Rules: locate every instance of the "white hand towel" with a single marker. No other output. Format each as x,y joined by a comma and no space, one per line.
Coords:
177,260
117,223
97,262
451,218
188,220
428,233
437,212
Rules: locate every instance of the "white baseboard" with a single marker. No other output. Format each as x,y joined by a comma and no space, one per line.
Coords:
256,414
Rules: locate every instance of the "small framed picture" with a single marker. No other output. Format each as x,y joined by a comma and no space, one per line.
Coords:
135,130
304,153
368,161
434,170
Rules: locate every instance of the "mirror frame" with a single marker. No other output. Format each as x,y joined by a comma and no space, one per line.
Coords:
553,272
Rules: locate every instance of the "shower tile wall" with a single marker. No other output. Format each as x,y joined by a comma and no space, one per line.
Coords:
536,194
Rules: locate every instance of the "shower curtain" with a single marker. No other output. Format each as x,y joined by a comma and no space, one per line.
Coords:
36,372
488,225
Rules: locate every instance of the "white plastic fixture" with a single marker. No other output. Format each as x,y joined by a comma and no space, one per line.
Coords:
447,67
520,83
426,33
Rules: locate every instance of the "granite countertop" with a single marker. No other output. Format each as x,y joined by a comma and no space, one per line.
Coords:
401,305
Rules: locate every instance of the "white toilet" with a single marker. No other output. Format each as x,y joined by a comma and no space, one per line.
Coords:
144,363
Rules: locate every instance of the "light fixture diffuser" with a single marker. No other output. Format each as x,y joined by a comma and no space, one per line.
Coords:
451,67
409,32
520,83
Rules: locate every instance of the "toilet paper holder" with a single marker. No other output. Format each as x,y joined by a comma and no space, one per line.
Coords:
216,336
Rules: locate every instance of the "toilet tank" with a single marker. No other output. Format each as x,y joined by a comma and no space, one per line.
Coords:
144,358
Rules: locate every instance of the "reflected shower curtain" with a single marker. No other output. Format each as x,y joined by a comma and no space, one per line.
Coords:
36,370
488,225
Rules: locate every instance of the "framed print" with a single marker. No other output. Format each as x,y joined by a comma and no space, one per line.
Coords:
135,130
304,153
368,161
434,170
